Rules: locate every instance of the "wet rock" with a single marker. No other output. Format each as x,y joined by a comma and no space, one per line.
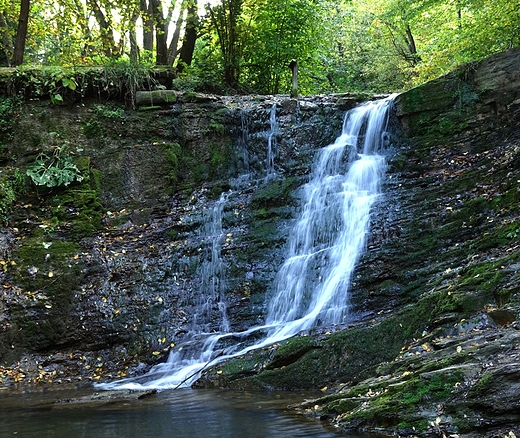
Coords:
104,397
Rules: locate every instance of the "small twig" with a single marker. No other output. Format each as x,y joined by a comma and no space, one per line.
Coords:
199,371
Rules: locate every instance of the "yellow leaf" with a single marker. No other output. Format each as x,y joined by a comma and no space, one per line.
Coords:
156,353
50,274
219,372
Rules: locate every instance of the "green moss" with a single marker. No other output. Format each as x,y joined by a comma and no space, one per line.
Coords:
218,128
481,386
396,405
509,200
48,264
7,107
80,208
240,367
220,159
292,350
109,111
275,193
7,196
172,152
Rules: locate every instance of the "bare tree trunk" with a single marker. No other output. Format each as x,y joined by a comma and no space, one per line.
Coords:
7,44
107,33
173,49
147,14
161,48
190,36
134,47
412,48
21,34
83,23
224,18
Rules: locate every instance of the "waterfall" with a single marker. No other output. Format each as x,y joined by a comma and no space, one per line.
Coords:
312,286
271,143
211,304
329,236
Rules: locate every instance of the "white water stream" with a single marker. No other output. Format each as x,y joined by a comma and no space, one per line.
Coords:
312,286
271,143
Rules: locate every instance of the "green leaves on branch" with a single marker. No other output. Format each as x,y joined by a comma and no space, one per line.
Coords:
54,171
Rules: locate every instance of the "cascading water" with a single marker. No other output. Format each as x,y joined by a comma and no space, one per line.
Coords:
312,286
271,143
212,305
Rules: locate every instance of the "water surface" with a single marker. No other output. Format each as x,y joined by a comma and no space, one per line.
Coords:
182,413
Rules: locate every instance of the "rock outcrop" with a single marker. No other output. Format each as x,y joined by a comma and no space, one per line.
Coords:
434,348
99,276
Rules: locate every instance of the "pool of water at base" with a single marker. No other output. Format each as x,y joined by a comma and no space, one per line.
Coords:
183,413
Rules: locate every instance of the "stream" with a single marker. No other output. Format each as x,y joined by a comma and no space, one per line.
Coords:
184,413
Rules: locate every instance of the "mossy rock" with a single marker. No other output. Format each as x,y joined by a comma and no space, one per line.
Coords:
275,193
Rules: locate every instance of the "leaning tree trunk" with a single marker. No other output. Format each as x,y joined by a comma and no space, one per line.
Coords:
190,37
173,49
21,34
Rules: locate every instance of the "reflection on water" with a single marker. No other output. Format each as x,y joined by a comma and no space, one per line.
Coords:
183,413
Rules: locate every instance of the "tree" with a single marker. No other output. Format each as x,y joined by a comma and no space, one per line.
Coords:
190,37
21,34
282,30
6,43
224,19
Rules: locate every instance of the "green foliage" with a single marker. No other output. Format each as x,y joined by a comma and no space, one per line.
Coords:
7,197
127,77
12,183
173,151
56,82
54,171
360,45
6,114
109,111
282,31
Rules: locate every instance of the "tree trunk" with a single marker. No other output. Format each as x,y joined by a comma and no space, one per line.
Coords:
190,36
173,49
224,18
147,14
412,48
107,33
161,48
21,34
7,44
134,47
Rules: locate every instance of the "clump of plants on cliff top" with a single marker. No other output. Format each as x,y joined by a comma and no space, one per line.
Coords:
55,170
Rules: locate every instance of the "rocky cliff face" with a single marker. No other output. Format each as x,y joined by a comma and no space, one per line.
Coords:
433,346
99,278
108,269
